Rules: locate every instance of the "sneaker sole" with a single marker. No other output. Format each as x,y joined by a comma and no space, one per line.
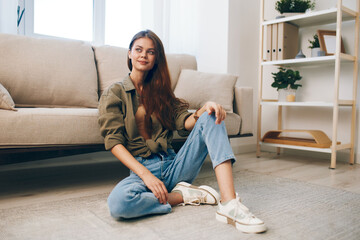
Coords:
207,189
242,227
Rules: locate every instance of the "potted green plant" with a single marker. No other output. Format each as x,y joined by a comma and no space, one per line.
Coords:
315,47
285,83
291,7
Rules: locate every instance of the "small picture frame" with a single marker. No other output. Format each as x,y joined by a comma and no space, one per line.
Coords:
327,39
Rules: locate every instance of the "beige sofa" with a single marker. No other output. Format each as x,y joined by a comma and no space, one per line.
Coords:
55,86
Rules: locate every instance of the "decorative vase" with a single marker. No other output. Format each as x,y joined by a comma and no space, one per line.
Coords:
287,95
300,55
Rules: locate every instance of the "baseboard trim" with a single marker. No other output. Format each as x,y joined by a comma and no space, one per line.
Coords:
243,148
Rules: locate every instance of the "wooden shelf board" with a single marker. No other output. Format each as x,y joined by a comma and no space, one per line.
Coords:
347,57
315,18
310,61
314,149
304,104
343,146
348,11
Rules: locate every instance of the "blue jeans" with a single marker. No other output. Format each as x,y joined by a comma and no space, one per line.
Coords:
131,198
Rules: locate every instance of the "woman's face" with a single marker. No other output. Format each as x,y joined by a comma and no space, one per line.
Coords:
142,54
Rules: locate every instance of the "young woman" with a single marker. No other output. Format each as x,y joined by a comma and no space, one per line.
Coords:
137,118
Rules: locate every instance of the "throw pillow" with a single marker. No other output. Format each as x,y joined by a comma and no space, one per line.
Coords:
6,102
198,87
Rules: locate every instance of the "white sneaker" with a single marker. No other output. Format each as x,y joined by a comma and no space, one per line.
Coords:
235,213
194,195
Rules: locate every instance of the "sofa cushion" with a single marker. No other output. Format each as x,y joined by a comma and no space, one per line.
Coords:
48,72
197,88
6,102
112,65
233,123
244,107
49,126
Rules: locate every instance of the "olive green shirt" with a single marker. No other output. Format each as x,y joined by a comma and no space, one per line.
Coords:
117,108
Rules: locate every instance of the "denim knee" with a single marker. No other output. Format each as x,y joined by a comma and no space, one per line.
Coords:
207,123
115,206
208,119
119,205
216,139
130,203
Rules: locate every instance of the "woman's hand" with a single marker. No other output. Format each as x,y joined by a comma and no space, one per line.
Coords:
212,107
156,186
153,183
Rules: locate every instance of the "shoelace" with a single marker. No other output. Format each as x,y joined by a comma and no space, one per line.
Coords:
245,213
194,201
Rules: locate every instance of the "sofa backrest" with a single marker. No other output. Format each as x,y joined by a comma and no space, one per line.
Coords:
48,72
112,66
62,73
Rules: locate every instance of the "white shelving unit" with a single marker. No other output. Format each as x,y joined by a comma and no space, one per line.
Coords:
334,15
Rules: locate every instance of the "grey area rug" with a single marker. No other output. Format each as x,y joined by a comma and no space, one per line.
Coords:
291,210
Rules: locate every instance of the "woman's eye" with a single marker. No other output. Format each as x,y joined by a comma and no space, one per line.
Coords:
138,49
152,52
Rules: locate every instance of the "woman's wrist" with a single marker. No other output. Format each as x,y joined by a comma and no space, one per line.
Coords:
196,114
199,112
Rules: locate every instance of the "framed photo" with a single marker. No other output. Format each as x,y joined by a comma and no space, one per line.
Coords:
327,39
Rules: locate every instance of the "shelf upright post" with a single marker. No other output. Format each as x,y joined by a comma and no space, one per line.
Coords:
336,84
261,45
280,117
355,77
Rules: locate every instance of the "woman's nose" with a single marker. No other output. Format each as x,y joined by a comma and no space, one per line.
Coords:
144,54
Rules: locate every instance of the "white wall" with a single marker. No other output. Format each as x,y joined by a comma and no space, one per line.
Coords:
243,56
8,16
213,36
200,28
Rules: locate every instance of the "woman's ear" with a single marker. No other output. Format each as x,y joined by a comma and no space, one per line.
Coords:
129,54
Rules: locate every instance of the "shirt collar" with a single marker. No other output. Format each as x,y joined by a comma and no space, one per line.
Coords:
128,84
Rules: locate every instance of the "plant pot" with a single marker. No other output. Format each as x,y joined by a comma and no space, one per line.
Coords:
316,52
287,95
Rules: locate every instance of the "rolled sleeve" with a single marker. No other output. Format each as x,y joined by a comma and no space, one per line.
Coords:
180,118
111,118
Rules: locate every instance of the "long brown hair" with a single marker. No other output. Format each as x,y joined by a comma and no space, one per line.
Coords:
157,95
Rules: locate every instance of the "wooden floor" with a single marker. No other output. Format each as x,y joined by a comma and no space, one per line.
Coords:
89,174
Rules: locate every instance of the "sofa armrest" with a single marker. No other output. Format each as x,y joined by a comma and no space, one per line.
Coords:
243,105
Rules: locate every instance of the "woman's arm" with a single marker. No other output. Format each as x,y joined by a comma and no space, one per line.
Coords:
153,183
210,107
